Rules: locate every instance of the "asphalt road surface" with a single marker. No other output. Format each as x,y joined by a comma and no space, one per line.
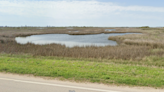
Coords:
27,83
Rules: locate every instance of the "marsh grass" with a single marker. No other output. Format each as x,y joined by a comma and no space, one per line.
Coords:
108,52
151,37
153,44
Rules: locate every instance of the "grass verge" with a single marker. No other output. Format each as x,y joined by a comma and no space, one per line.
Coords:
83,70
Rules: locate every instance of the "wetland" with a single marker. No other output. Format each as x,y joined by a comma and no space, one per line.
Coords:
132,59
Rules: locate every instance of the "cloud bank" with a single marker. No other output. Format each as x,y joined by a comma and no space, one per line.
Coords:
78,10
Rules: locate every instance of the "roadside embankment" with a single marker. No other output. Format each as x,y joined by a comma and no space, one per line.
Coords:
85,70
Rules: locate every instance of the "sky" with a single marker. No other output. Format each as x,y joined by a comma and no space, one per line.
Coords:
98,13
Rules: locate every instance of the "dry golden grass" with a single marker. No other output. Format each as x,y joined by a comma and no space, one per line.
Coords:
108,52
152,43
151,37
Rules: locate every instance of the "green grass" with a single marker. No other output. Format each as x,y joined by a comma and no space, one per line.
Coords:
83,70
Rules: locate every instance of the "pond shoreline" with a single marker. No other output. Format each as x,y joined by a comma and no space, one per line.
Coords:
71,40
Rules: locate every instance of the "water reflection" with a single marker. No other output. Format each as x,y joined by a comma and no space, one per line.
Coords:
70,40
109,30
73,31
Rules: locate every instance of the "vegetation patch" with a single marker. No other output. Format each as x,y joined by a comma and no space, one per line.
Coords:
84,70
108,52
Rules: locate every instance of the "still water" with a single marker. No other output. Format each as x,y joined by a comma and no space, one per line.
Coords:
109,30
71,40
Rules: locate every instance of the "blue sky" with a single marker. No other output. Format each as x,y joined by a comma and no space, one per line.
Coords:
157,3
111,13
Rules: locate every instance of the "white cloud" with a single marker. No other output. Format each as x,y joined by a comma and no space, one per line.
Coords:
69,9
74,12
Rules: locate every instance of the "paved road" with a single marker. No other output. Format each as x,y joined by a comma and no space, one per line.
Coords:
19,83
13,85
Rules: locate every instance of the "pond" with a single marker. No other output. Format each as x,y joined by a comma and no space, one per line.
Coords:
71,40
73,31
109,30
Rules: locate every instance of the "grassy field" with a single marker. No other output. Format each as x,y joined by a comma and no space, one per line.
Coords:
138,60
109,72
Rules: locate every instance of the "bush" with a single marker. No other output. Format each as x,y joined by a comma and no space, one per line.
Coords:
145,27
